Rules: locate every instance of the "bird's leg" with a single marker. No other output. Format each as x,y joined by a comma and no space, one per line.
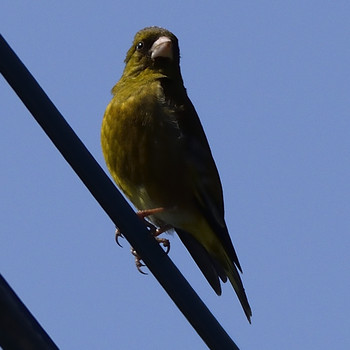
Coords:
156,231
142,214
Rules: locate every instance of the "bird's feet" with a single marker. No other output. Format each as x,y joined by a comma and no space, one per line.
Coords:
138,262
142,214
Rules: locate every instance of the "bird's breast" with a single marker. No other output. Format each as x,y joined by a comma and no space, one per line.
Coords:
143,147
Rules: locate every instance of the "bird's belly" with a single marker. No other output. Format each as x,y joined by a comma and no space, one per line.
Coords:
159,189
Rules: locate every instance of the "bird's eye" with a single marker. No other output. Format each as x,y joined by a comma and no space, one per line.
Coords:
139,45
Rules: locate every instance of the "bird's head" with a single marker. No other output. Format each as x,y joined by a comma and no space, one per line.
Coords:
154,49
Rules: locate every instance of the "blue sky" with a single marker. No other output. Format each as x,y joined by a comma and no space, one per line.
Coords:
270,82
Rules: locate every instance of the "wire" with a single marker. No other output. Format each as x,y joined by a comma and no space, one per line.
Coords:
18,328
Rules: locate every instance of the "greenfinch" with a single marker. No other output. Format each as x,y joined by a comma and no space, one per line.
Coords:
157,153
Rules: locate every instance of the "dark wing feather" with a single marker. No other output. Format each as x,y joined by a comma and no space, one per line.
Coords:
207,264
200,162
209,194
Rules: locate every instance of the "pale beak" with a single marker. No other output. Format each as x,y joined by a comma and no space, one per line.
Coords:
162,47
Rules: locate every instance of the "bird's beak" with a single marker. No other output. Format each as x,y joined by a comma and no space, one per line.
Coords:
162,47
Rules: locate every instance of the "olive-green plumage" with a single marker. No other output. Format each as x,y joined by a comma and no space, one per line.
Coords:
157,153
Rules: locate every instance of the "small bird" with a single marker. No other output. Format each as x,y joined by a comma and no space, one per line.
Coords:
157,153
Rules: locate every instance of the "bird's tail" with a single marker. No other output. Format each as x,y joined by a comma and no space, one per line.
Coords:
235,279
215,267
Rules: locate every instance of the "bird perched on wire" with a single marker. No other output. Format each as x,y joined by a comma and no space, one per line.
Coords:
157,153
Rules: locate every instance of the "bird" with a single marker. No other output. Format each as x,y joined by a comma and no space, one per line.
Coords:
157,152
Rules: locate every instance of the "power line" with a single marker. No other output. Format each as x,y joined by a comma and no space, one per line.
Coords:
19,330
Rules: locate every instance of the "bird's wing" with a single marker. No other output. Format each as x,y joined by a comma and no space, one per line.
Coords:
206,180
200,163
210,268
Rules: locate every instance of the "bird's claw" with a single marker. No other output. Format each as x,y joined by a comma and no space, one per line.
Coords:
165,242
118,234
138,262
153,230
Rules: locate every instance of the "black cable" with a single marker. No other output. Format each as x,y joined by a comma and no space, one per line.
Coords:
19,330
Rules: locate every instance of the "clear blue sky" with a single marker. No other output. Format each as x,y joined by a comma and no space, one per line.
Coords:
271,84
